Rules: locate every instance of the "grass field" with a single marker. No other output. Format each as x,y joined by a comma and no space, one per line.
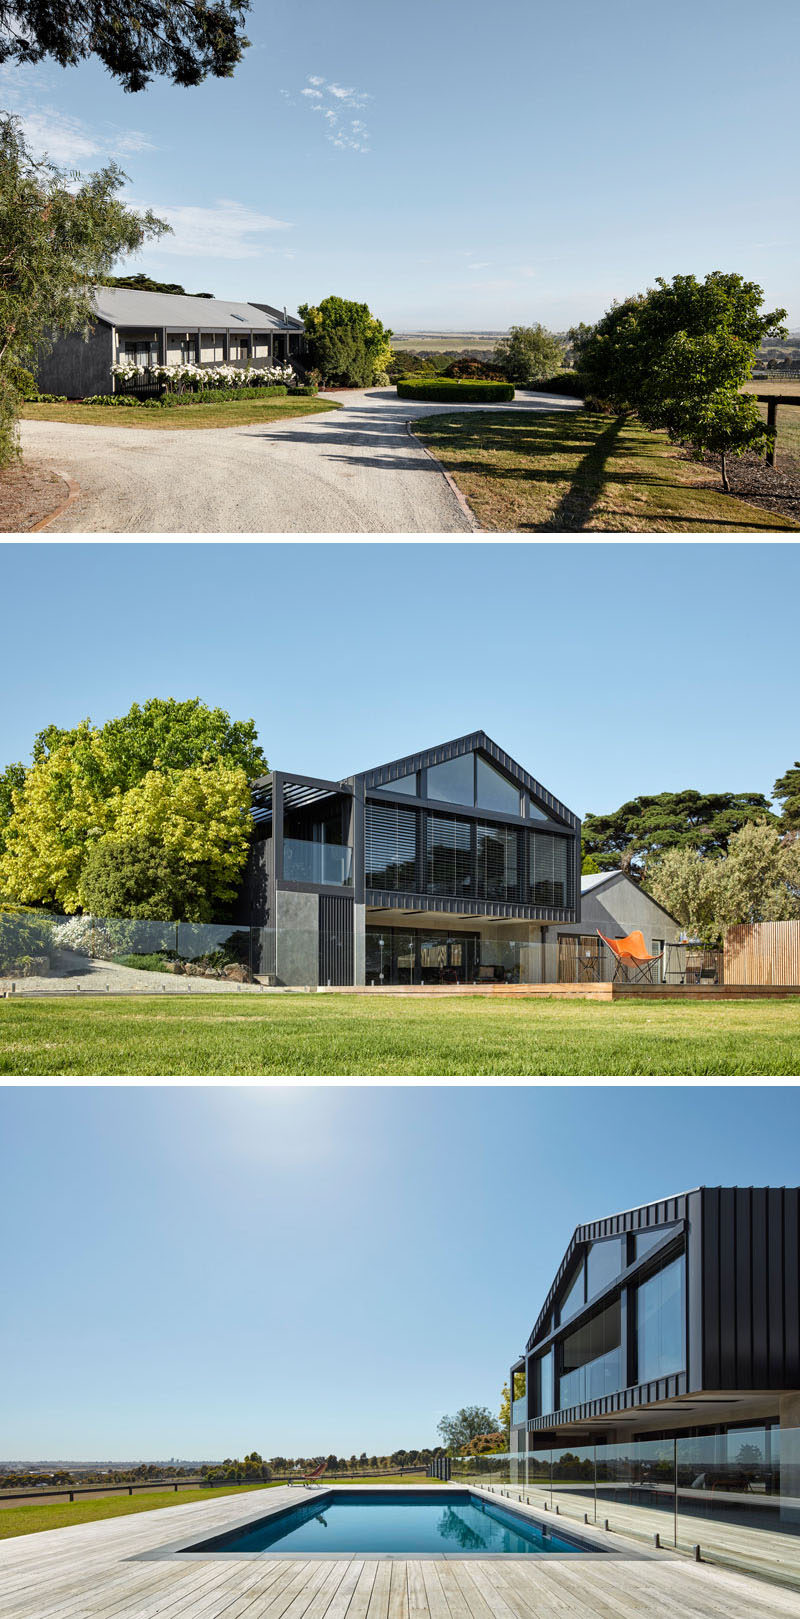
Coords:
236,413
578,472
354,1034
30,1518
446,342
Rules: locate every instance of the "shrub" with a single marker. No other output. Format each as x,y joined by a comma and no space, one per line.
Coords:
381,379
564,382
22,379
216,396
110,399
9,408
307,388
23,935
466,368
45,399
447,389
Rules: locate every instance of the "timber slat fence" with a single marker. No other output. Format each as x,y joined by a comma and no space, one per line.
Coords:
763,953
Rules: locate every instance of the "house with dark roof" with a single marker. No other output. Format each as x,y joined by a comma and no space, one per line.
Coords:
163,328
447,866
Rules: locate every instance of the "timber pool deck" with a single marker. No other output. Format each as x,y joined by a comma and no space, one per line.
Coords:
86,1572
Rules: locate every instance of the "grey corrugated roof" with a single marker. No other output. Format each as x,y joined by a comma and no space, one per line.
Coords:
122,306
597,877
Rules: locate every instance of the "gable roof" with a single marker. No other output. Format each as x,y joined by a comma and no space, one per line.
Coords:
475,741
127,306
597,879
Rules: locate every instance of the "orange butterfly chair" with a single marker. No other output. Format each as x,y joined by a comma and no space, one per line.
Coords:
310,1478
631,953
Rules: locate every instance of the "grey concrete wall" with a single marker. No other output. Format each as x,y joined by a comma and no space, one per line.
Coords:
297,919
76,367
620,907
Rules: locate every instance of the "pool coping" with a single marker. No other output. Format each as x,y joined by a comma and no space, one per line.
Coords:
596,1544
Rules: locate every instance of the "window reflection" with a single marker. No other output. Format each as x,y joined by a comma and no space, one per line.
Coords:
660,1323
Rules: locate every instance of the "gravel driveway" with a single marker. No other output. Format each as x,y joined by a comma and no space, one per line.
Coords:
353,471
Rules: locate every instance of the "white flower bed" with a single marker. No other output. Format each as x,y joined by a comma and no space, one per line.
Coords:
178,378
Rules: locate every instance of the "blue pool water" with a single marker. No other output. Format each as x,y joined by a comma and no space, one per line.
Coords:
390,1522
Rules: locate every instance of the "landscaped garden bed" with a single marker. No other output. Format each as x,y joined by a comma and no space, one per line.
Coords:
447,390
28,496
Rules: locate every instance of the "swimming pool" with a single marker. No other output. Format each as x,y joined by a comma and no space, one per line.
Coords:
392,1523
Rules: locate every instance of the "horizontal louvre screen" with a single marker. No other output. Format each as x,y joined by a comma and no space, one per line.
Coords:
449,863
551,870
497,862
390,847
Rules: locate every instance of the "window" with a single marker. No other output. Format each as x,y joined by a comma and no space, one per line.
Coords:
591,1359
449,856
454,781
239,349
403,784
604,1262
139,351
212,347
494,791
575,1299
261,345
390,847
543,1384
497,862
181,348
534,811
645,1240
660,1323
551,870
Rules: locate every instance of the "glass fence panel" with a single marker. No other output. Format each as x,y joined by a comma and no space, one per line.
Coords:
635,1486
519,1409
323,863
572,1480
739,1495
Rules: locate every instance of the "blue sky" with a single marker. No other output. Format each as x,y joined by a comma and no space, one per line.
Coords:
480,165
350,655
199,1271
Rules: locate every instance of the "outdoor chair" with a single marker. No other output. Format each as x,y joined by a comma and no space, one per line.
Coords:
310,1479
631,955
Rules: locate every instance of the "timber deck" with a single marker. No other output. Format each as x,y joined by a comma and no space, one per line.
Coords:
92,1571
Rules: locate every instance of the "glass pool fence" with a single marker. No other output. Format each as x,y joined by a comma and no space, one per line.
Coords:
735,1496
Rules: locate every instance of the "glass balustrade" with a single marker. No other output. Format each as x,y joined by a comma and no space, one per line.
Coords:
328,864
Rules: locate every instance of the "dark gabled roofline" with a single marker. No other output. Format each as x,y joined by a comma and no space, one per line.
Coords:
667,1211
610,877
384,775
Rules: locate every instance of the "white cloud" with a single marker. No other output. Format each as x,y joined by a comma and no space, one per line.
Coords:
67,140
225,230
334,102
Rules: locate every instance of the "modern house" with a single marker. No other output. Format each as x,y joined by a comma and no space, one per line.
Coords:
447,866
678,1318
614,905
164,328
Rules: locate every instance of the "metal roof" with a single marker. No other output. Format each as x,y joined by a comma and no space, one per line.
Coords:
122,306
596,878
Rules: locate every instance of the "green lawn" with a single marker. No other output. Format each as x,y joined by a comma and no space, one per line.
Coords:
354,1034
788,422
29,1518
234,413
579,472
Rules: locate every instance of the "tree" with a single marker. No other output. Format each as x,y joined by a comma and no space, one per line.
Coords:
679,354
504,1417
134,39
787,792
467,1424
577,339
11,780
757,881
145,283
172,773
589,866
138,877
57,239
528,354
630,837
347,344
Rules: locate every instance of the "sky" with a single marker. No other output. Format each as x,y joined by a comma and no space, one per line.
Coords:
197,1272
348,656
456,165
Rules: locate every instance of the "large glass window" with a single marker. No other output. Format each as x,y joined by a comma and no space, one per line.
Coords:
661,1324
454,781
390,847
551,870
403,784
494,791
604,1262
543,1384
591,1359
212,347
575,1298
645,1240
497,862
449,856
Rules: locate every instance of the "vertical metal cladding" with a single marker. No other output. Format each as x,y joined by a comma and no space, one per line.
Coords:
751,1287
336,924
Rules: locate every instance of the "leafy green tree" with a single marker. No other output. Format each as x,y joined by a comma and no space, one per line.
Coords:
168,772
577,339
134,39
757,881
139,877
56,241
787,792
346,343
589,866
630,837
145,283
679,354
504,1416
12,779
467,1424
528,354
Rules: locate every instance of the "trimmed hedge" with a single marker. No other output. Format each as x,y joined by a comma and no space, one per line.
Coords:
45,399
565,382
214,396
447,389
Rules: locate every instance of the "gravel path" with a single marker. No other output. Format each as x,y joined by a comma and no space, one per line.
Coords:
72,974
354,471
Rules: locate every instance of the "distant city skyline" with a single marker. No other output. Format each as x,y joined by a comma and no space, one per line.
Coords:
471,168
200,1271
